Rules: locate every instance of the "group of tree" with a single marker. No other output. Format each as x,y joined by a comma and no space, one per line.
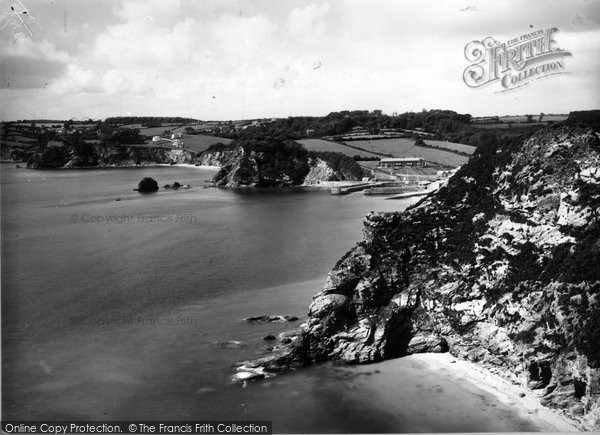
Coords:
339,123
147,121
119,136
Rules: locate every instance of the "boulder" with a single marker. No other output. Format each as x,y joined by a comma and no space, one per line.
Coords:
421,343
147,185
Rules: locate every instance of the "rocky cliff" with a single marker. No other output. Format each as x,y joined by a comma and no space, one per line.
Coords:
264,162
500,267
270,162
108,156
319,171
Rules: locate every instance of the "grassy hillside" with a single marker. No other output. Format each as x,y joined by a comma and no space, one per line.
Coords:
407,148
451,145
200,142
196,143
325,145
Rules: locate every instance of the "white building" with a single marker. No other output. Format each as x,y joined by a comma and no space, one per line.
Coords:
401,162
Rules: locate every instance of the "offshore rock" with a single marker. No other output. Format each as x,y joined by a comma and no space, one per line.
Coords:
147,185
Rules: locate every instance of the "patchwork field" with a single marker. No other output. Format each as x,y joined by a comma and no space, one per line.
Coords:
325,145
407,148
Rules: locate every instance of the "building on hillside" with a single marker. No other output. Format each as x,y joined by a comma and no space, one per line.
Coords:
401,162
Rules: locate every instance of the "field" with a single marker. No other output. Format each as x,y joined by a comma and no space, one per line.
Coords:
511,126
16,144
195,143
407,148
200,142
451,145
325,145
20,138
153,131
535,117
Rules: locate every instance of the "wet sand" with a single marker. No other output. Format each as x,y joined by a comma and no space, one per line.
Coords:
483,398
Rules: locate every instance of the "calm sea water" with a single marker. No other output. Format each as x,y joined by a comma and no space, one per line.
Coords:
115,306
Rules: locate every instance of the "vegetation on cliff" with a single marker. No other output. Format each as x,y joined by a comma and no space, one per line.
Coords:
266,161
499,267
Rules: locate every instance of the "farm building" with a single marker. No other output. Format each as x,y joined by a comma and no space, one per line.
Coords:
401,162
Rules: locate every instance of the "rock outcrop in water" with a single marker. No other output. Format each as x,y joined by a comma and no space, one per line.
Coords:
500,267
147,185
270,162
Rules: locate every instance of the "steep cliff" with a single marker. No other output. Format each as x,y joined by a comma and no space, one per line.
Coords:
108,156
252,167
500,267
271,162
319,171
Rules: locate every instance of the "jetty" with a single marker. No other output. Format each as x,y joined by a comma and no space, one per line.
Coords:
349,188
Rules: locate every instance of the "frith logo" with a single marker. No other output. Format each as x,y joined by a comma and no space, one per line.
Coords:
514,63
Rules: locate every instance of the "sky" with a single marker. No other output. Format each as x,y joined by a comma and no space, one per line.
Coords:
244,59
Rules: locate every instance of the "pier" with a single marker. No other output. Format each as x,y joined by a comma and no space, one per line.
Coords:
343,190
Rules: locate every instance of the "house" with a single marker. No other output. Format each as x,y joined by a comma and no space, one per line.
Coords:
401,162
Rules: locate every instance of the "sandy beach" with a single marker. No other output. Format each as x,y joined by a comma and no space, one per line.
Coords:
483,397
188,165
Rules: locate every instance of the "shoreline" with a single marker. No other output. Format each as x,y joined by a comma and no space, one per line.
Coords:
466,396
191,166
329,184
153,165
526,401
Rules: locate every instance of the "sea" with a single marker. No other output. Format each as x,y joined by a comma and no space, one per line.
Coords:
118,305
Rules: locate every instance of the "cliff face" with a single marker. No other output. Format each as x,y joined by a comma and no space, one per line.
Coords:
268,167
500,267
108,156
253,168
319,171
